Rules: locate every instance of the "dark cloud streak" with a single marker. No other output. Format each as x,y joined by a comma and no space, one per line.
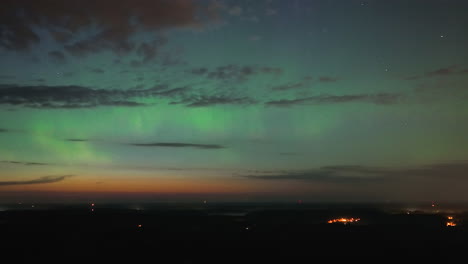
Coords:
233,72
76,140
218,100
379,99
441,72
75,97
285,87
23,163
365,174
41,180
178,145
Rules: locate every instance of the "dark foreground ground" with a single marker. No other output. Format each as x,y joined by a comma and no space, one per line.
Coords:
225,233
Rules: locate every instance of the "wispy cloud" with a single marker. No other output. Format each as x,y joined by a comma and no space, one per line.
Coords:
216,100
314,175
233,72
190,95
290,86
178,145
440,72
381,99
443,71
73,96
76,139
7,130
41,180
362,174
23,162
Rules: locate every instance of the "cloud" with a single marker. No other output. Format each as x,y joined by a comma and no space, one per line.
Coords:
79,97
7,130
74,97
380,99
42,96
365,174
271,70
173,92
300,84
441,72
86,105
23,163
57,56
113,23
233,72
76,140
178,145
217,100
291,86
318,175
148,50
41,180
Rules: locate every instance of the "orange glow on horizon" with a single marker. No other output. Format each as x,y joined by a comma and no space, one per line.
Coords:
126,185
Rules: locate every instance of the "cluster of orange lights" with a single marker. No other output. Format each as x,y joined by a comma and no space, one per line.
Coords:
450,222
343,220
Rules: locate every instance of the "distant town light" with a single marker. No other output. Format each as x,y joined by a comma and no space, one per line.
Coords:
344,220
139,226
451,223
449,217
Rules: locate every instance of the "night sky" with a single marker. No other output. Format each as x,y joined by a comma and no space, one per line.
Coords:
154,100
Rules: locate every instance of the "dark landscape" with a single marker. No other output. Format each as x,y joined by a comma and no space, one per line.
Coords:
185,233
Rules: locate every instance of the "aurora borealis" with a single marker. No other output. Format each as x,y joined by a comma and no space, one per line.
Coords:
336,100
